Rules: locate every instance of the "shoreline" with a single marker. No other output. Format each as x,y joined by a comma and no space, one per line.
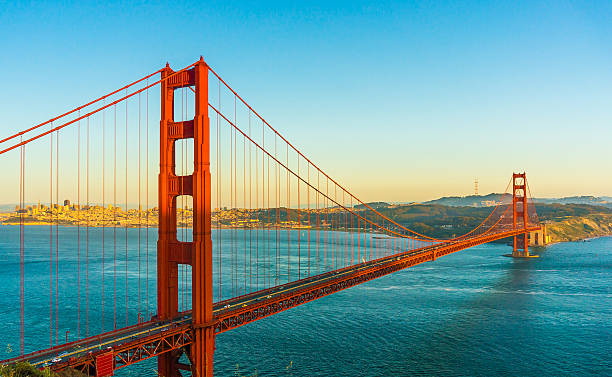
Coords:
587,238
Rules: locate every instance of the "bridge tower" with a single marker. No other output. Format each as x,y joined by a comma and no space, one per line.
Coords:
170,251
519,214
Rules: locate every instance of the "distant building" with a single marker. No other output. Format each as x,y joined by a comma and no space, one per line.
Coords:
488,203
66,202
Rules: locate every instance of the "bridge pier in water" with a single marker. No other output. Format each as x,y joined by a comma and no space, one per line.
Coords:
520,247
197,253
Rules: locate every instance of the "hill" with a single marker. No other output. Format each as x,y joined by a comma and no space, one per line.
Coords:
467,201
443,221
490,199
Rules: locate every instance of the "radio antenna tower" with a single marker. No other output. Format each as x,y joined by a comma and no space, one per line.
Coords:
476,186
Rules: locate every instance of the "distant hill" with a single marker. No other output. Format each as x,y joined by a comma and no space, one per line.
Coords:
375,205
467,201
490,199
445,221
590,200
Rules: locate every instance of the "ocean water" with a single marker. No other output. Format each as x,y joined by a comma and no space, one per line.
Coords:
472,313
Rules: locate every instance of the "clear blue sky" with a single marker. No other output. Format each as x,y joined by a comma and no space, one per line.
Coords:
399,101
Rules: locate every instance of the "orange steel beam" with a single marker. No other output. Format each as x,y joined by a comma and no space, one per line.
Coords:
167,268
176,338
171,251
202,275
158,344
519,195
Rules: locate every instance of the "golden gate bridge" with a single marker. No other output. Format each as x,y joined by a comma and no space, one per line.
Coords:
244,226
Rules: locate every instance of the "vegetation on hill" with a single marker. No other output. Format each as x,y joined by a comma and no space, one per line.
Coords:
483,200
27,370
591,200
575,228
463,201
565,221
554,212
24,370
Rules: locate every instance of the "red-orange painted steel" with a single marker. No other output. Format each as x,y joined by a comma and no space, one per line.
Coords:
105,364
197,253
167,270
519,185
202,289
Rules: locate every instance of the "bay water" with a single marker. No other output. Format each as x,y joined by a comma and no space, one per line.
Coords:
472,313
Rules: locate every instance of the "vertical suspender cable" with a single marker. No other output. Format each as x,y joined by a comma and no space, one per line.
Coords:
256,211
51,242
23,252
103,205
250,210
125,291
344,214
247,215
87,234
308,212
79,228
327,232
243,216
57,238
357,236
139,204
268,227
147,201
276,189
21,244
299,220
231,201
20,214
23,164
352,239
288,217
317,242
235,238
263,201
218,177
115,221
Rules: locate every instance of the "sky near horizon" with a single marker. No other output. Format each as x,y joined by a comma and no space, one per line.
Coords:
397,100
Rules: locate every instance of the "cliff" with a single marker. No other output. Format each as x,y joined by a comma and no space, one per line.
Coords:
575,228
